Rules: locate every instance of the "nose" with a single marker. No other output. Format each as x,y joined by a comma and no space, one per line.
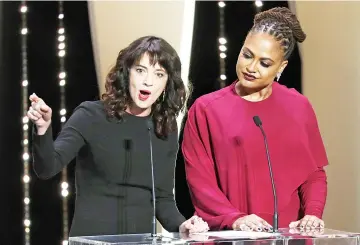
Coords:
251,68
148,81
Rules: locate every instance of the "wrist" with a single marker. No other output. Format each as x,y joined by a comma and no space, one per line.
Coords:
41,130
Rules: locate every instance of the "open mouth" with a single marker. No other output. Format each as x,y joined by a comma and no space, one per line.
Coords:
144,94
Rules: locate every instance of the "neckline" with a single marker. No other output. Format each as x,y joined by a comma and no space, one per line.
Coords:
270,98
139,117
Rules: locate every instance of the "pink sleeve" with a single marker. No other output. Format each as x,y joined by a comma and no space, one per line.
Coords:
313,193
209,201
314,190
316,144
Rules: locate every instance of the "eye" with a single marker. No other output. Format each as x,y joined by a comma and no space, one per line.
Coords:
160,75
139,70
246,55
264,64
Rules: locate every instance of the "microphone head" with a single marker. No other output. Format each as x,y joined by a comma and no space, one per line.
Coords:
257,121
149,124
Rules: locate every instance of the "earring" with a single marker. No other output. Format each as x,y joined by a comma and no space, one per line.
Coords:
278,76
163,98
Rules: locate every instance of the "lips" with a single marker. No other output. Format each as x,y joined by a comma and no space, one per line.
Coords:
144,95
248,77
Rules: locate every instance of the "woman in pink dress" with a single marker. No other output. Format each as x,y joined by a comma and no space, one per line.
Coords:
225,157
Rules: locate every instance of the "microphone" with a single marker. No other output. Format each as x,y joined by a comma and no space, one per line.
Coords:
258,123
153,233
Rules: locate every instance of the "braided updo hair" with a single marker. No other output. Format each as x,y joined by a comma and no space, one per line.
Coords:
283,25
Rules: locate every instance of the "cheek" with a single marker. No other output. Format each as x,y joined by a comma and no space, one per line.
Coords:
242,62
161,84
160,87
266,73
132,85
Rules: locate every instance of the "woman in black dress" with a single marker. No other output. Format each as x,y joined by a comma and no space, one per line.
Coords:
114,139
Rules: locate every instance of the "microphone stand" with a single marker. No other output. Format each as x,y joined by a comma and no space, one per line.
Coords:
154,236
258,123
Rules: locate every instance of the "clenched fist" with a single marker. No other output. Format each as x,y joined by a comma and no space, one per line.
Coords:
39,113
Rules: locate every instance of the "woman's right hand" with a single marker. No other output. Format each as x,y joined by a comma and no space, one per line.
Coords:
251,222
39,113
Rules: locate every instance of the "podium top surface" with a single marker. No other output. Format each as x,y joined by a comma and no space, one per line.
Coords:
284,236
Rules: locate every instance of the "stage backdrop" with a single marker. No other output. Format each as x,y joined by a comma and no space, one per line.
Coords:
114,24
331,80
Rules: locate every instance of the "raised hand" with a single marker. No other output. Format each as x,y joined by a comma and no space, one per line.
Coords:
251,222
39,113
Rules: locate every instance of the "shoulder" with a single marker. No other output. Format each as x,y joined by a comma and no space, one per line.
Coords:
291,97
91,109
295,103
88,112
212,100
96,106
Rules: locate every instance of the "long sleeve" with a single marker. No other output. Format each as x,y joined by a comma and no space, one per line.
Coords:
209,201
166,209
314,190
51,157
313,193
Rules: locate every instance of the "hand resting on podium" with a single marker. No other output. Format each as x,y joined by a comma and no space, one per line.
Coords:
255,223
308,222
251,222
193,225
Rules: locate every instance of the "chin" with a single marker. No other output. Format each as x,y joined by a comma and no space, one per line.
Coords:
143,105
249,84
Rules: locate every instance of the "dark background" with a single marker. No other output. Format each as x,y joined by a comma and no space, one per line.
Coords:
45,205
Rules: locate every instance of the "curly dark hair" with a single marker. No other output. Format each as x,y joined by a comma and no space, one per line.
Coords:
281,23
165,110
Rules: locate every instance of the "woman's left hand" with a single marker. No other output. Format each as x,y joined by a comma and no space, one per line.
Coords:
308,222
194,224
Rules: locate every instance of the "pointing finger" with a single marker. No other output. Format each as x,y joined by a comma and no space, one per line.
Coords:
34,98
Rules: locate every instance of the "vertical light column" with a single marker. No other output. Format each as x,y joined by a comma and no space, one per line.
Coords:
62,76
222,44
258,4
25,121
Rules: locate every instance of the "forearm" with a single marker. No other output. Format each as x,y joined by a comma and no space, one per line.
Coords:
50,156
44,163
168,214
212,205
314,192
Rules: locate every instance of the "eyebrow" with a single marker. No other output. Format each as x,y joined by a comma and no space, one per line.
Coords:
263,58
146,68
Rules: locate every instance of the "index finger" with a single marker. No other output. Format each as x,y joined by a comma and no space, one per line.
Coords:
263,222
34,98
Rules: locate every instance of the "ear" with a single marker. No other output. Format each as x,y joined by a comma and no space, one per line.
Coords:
283,66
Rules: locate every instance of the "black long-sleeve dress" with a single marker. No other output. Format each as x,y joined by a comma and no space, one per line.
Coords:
113,171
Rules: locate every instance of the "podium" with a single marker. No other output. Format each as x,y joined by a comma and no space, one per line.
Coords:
283,237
